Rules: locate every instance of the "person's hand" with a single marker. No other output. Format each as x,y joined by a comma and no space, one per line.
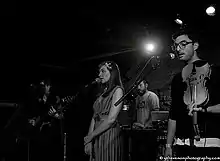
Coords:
32,121
168,153
198,109
137,124
88,148
88,138
192,108
59,116
52,111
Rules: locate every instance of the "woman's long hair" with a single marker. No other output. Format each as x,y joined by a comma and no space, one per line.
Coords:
115,78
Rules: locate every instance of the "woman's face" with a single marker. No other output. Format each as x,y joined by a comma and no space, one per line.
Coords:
104,74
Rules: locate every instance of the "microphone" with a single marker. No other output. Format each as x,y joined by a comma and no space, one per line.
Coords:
169,55
97,80
157,61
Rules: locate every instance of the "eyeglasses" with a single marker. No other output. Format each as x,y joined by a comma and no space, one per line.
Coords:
182,44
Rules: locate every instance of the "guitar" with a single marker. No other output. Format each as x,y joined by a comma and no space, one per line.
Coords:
58,109
35,125
65,102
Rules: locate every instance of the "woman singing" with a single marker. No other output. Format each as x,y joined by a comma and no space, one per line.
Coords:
103,141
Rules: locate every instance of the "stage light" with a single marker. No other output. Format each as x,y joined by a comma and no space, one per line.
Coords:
149,47
178,21
210,11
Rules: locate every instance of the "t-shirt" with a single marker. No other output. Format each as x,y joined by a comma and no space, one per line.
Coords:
208,122
144,105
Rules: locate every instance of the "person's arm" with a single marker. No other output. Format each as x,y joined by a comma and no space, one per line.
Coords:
209,109
173,113
171,130
91,127
155,102
216,83
108,121
214,109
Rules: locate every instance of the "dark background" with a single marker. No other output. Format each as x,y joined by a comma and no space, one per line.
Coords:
56,39
8,8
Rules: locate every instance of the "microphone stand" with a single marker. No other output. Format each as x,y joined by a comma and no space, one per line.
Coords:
64,134
136,82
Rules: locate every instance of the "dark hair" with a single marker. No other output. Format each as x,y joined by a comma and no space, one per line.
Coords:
191,33
145,81
194,35
115,78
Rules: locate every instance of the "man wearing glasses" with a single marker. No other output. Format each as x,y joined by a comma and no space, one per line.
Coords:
193,126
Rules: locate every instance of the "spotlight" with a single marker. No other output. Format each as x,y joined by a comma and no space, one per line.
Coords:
210,11
149,47
178,20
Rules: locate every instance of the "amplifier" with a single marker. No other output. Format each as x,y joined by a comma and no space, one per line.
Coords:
125,118
160,115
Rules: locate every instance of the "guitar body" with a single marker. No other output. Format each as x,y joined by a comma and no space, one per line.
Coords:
31,130
35,125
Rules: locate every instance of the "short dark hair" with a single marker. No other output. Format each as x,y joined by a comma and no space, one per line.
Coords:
194,34
190,32
145,81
